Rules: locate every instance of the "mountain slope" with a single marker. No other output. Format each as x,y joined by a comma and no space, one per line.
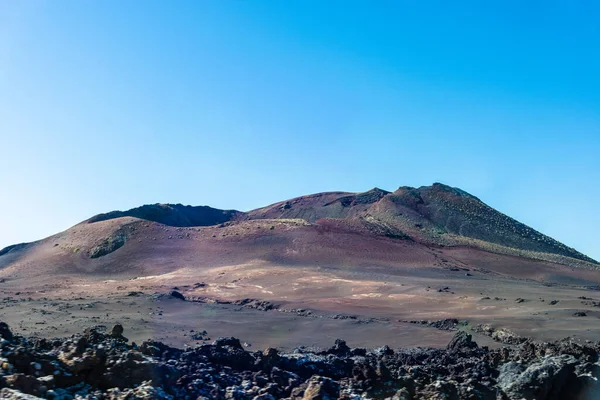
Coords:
436,215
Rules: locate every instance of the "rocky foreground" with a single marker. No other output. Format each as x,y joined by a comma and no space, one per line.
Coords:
102,365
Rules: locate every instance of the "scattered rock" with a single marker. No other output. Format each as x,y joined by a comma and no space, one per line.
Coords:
262,305
591,303
501,335
449,324
100,365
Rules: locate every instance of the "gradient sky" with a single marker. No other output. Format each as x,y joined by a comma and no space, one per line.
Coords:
238,104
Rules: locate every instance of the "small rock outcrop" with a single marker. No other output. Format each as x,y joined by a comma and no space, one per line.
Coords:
176,295
462,341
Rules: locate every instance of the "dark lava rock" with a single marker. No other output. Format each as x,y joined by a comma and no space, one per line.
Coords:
117,330
5,331
449,324
262,305
321,388
23,383
99,365
461,341
109,245
340,348
546,379
228,341
175,294
591,303
199,335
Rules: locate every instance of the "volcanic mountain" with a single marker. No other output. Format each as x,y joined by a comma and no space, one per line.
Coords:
415,253
437,215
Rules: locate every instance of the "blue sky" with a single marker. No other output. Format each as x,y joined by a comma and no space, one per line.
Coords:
238,104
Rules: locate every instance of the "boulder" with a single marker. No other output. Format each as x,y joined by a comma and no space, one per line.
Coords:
545,379
175,294
321,388
5,331
228,341
461,341
117,331
24,383
340,348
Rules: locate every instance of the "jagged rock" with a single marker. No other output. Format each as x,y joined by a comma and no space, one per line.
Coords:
541,380
228,341
340,348
24,383
402,394
383,350
98,365
117,331
5,331
143,392
10,394
321,388
440,390
461,341
501,335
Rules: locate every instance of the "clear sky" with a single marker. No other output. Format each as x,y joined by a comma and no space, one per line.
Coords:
238,104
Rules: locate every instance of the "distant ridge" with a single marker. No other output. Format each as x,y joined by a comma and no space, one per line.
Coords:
172,215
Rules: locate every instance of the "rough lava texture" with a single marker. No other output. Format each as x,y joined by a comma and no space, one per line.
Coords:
96,365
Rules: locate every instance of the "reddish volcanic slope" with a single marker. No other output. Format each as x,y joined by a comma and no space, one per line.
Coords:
370,226
429,253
